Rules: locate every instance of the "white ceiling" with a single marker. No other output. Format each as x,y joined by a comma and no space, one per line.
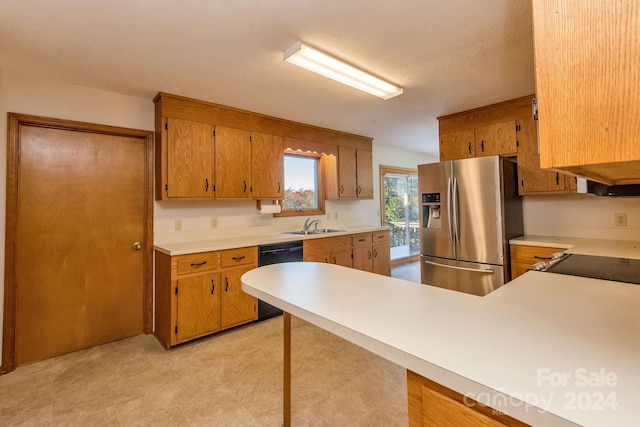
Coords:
449,55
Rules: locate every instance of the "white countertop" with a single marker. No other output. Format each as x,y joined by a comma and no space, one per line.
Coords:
240,241
539,325
575,245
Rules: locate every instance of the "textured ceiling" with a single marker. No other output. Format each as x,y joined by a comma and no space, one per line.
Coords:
449,55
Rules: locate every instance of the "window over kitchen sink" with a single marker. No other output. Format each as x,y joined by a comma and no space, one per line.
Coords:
302,184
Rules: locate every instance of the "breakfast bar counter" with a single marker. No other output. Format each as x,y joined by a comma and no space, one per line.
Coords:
545,349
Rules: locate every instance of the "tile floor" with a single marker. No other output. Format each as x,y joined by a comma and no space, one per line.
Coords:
230,379
410,271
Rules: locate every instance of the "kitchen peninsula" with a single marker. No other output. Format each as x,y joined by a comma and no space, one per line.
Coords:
545,349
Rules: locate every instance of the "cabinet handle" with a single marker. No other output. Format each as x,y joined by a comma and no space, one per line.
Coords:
334,260
381,237
326,260
557,178
213,286
341,188
359,189
542,257
469,148
238,258
362,240
375,253
482,145
226,286
369,254
206,187
278,187
199,264
245,186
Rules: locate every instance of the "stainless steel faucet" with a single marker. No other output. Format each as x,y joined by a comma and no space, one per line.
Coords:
308,223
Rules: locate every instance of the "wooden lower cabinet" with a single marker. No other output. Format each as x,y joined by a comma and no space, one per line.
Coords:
523,257
431,404
334,250
200,294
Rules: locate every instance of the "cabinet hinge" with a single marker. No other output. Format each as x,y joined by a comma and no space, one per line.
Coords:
214,133
214,188
517,143
176,290
175,330
166,187
166,125
250,138
534,108
522,182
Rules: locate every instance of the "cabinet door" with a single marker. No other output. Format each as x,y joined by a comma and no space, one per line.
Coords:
237,306
347,173
343,257
364,174
496,139
233,163
523,257
267,166
533,180
363,258
457,145
382,258
189,159
198,306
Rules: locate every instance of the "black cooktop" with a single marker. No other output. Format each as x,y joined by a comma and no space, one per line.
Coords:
598,267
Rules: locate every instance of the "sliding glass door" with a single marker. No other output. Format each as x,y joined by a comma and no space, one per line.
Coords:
400,210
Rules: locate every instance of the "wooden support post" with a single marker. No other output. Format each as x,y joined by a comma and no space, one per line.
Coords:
287,371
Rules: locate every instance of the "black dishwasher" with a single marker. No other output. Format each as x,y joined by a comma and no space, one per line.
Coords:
274,254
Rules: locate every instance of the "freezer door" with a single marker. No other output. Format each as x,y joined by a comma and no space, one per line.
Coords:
436,237
478,210
472,278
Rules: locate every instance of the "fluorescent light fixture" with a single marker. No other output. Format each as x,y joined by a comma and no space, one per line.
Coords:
319,62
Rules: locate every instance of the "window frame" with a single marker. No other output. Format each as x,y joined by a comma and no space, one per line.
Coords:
320,190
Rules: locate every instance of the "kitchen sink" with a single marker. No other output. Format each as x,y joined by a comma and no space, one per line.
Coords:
314,231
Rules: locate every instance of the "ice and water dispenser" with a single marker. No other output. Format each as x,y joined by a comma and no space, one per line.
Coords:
430,210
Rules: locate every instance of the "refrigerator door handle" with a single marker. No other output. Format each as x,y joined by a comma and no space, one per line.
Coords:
474,270
456,222
449,212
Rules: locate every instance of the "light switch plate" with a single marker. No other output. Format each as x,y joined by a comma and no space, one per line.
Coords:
621,220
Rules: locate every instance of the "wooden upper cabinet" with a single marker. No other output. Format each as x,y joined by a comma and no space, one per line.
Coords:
364,173
233,163
267,166
587,57
189,160
534,180
347,172
497,138
457,145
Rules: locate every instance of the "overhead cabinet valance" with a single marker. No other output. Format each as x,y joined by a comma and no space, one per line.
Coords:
210,151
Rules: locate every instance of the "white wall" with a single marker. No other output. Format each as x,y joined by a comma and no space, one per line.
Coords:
581,215
22,94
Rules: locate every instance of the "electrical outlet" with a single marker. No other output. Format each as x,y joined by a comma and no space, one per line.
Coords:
335,215
178,224
214,222
328,216
621,220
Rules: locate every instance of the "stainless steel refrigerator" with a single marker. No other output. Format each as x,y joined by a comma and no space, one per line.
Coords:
470,209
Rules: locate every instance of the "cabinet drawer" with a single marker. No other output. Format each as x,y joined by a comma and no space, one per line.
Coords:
194,263
380,236
532,254
361,239
240,256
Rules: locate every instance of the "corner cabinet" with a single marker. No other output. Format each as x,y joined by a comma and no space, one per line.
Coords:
587,56
200,294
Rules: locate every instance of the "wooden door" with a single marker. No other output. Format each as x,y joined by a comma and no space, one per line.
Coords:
364,166
267,166
382,258
80,203
457,145
485,137
198,311
343,257
495,139
189,159
347,173
233,163
237,306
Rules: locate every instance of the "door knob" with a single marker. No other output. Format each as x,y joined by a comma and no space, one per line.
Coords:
137,246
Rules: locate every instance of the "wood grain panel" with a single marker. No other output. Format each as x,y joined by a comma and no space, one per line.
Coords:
163,293
267,166
363,258
523,257
361,239
382,257
233,163
587,56
198,310
196,263
189,159
364,173
237,306
239,256
457,145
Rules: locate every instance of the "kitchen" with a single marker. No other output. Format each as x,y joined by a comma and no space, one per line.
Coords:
558,215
